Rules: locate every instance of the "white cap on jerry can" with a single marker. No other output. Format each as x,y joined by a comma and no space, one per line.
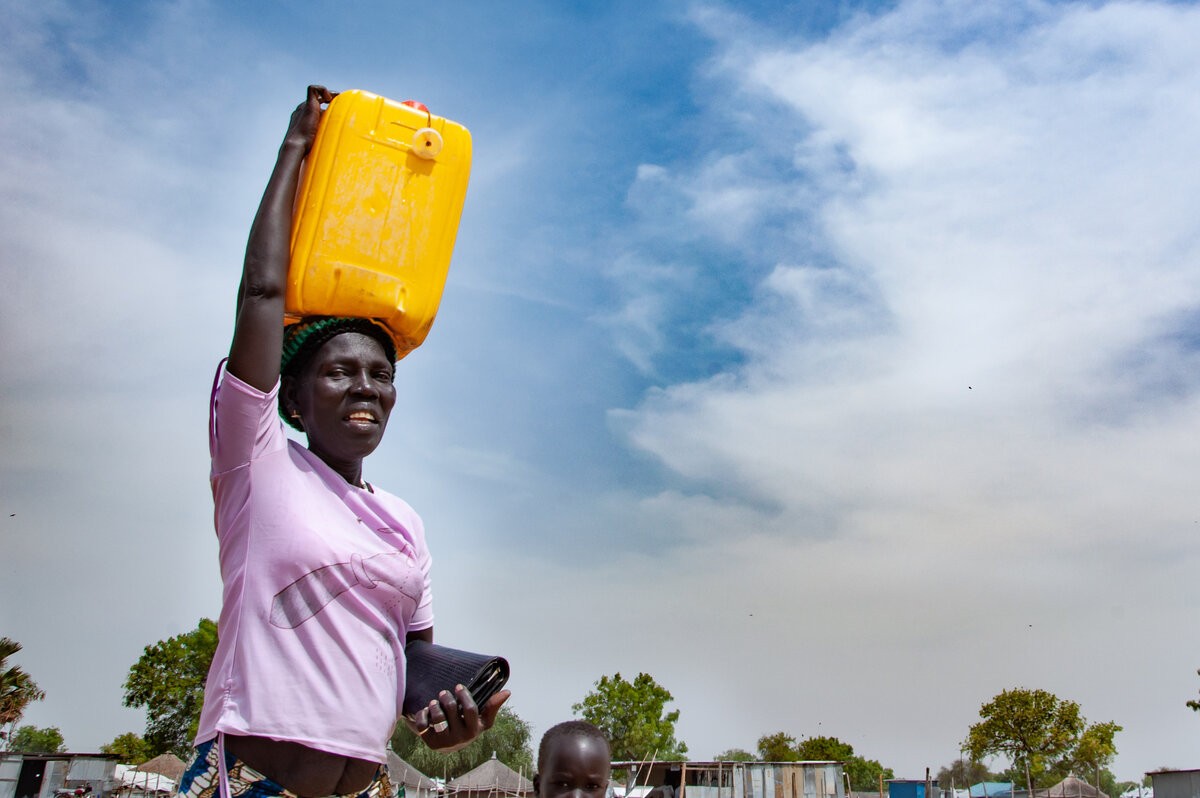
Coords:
426,142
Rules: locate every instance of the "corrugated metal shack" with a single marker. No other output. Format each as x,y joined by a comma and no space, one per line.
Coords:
1176,783
738,779
49,775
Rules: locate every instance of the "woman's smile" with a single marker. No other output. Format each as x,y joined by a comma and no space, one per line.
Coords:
364,420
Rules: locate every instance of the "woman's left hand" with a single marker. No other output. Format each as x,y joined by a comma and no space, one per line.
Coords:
453,721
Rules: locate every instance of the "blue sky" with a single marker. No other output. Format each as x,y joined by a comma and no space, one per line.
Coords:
834,363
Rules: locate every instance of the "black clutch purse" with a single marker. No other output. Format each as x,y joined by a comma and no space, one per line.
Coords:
432,668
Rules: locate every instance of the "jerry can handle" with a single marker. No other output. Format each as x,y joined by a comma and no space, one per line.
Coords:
420,106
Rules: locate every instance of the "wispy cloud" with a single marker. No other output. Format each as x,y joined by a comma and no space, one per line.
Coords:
978,358
1009,231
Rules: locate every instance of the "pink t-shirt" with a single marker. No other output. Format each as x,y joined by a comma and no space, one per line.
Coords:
323,581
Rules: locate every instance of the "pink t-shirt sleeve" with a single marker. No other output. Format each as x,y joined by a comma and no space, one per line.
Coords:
244,423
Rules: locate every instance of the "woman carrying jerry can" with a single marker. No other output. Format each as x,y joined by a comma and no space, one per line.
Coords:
326,576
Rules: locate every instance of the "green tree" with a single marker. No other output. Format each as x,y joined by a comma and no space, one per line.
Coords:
1039,732
827,749
1194,704
17,689
32,740
508,739
168,680
1121,786
1108,783
962,773
632,717
1093,752
864,773
777,747
734,755
129,747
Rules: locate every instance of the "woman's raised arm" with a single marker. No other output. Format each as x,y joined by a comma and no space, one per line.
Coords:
258,331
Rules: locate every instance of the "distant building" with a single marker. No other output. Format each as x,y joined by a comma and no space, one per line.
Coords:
911,788
1138,791
131,782
734,779
492,779
1071,787
415,783
54,775
992,789
1176,783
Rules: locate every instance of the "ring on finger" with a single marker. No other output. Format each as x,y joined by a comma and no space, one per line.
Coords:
422,732
440,726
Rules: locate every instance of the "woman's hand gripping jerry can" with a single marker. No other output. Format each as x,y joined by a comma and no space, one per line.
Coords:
376,215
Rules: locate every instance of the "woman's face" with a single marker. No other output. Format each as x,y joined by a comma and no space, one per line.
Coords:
344,396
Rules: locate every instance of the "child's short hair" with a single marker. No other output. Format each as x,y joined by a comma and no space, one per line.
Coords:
569,728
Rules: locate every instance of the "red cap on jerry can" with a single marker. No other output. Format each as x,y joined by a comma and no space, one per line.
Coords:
414,104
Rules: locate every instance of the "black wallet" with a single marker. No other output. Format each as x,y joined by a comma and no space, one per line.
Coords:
432,668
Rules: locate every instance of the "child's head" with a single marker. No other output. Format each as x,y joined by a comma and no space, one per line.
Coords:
573,762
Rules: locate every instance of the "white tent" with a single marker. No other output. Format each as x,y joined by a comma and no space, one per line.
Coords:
133,782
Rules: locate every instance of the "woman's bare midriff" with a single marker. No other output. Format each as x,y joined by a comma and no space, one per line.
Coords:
304,771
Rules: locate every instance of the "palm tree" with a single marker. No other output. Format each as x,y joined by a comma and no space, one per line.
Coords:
17,690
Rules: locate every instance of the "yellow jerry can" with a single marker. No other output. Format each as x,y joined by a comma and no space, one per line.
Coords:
376,215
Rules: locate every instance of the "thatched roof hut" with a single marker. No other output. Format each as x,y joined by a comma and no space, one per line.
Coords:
167,765
1071,787
416,784
492,779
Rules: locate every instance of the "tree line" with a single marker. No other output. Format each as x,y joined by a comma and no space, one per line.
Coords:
1044,738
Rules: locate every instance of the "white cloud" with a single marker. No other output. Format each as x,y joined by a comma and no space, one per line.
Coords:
643,285
1003,192
1016,261
725,201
